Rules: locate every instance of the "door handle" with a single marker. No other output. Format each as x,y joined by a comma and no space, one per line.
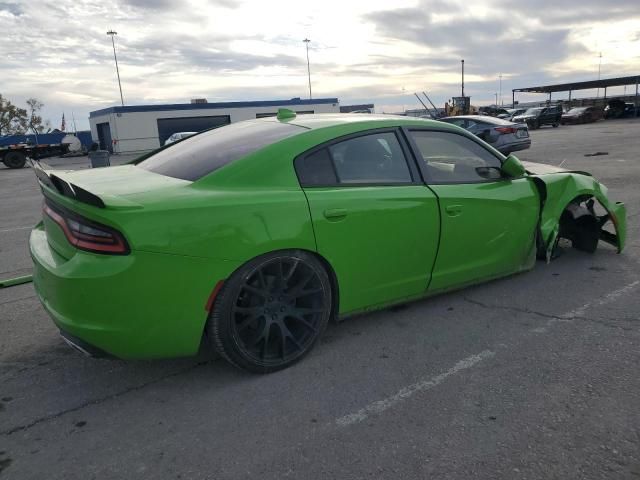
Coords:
335,213
454,210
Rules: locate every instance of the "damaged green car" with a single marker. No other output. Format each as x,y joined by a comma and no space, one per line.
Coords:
251,237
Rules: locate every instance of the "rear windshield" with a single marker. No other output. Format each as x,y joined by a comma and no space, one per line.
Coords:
197,156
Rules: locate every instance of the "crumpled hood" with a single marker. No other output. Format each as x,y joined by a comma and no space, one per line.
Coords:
533,168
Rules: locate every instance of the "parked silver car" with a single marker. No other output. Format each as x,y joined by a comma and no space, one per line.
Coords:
178,136
501,134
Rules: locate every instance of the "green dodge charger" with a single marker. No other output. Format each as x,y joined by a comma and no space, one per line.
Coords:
252,236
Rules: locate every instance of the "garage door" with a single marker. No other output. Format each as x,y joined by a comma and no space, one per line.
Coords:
169,126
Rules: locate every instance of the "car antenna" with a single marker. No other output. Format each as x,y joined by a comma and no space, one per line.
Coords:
285,114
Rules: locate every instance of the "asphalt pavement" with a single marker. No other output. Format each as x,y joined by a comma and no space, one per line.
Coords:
530,377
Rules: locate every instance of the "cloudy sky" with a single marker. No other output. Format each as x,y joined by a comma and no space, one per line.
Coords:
361,50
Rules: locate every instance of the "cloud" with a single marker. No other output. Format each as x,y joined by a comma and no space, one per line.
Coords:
362,50
12,9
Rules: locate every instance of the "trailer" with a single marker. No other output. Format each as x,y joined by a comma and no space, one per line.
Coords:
15,149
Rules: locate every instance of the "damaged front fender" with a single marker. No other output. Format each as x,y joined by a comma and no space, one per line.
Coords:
568,211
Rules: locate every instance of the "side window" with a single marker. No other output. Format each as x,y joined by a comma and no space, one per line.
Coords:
316,169
452,158
374,158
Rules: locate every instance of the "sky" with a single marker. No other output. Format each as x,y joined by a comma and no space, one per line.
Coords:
361,51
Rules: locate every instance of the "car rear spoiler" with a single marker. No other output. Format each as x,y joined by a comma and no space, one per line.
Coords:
67,189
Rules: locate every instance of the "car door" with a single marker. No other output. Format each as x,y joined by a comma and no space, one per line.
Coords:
488,222
374,220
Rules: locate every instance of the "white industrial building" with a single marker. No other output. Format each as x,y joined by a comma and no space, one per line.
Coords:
145,127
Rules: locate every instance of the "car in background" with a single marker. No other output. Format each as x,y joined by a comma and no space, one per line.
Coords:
504,136
492,111
582,115
538,116
616,108
178,136
512,112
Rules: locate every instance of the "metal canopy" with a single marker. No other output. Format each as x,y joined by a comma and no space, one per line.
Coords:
564,87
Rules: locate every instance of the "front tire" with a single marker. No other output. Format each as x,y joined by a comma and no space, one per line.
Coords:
271,311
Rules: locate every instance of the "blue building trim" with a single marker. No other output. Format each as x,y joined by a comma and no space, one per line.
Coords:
210,106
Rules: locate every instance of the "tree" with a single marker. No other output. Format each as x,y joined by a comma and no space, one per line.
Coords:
13,119
34,119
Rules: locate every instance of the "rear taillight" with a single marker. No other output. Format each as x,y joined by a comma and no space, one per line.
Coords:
505,130
86,234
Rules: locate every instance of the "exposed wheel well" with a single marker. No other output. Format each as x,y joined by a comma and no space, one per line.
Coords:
580,224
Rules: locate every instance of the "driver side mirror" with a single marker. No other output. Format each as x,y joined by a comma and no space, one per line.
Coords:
512,167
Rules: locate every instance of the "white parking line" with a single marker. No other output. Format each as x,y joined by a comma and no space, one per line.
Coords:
15,229
423,385
382,405
580,311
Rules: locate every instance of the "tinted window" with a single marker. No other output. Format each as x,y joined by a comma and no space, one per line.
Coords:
316,169
452,158
197,156
374,158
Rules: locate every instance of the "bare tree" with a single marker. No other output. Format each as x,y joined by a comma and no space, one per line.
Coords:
35,120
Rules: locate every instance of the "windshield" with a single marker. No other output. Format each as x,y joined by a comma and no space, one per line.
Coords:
533,111
577,110
199,155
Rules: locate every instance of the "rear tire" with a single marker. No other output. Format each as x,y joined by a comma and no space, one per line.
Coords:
271,311
15,160
555,125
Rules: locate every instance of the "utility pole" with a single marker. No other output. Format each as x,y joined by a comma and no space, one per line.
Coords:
462,62
112,34
599,65
306,41
500,89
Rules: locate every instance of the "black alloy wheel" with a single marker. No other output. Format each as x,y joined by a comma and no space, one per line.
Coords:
270,313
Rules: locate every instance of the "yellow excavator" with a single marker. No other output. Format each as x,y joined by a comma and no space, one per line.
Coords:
460,106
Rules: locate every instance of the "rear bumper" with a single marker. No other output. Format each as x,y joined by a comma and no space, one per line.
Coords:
142,305
515,146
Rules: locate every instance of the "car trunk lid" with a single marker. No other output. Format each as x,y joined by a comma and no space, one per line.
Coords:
92,193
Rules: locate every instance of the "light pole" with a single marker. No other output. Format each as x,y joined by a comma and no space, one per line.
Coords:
111,33
306,42
599,65
500,89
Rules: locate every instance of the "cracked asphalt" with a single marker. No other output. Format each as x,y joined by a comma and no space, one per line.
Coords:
530,377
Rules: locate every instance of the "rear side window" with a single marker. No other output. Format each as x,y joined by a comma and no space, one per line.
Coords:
316,169
375,158
197,156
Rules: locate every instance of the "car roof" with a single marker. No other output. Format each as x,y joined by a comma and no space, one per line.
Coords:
322,120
